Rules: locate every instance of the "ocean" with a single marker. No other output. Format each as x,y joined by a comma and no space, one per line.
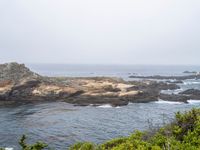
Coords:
123,71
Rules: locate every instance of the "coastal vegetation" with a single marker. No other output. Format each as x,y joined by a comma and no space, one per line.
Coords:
181,134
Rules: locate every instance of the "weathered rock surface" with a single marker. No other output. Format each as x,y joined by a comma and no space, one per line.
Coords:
15,72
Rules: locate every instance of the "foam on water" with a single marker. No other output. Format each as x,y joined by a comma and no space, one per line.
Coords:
193,101
118,107
190,82
105,106
167,102
9,148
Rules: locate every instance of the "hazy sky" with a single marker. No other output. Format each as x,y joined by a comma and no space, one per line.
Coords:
100,31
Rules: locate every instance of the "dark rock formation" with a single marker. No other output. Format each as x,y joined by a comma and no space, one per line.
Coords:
158,77
175,82
174,97
182,96
191,92
190,72
150,90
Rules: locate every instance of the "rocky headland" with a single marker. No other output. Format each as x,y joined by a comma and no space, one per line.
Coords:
19,84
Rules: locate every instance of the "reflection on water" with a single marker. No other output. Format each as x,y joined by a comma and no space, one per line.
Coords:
61,124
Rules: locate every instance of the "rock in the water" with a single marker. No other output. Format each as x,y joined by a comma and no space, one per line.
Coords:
191,92
190,72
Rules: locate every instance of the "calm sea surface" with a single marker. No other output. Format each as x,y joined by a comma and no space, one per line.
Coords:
61,124
108,70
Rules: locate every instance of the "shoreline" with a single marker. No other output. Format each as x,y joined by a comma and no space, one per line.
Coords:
19,84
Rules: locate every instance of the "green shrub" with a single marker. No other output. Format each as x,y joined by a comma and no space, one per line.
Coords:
113,143
83,146
36,146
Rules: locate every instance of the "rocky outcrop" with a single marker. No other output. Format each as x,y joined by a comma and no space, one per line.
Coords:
15,72
19,84
182,96
172,81
174,97
191,92
190,72
150,90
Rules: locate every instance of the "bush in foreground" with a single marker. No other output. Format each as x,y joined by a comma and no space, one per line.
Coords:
36,146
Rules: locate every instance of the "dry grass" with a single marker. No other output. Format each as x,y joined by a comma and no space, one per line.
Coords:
5,83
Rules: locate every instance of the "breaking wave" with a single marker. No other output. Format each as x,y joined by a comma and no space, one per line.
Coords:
167,102
193,101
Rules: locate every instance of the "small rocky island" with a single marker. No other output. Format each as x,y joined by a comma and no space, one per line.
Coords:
19,84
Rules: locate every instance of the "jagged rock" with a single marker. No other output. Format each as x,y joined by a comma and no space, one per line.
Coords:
15,72
191,92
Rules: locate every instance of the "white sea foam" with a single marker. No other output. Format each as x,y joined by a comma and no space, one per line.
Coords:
191,101
167,102
8,148
176,91
118,107
105,106
190,83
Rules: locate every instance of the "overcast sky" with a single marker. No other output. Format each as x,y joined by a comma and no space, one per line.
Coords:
100,31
